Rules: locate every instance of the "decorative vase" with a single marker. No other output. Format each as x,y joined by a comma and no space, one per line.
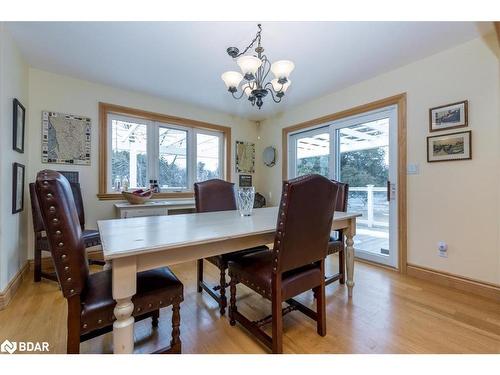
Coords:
245,198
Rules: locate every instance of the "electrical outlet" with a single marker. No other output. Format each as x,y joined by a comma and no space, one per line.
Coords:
443,249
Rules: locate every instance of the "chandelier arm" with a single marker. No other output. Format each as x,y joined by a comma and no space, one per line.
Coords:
272,94
266,61
238,97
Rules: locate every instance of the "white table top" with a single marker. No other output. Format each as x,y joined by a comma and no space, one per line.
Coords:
125,237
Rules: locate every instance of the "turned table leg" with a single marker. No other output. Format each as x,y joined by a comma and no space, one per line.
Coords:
350,233
124,287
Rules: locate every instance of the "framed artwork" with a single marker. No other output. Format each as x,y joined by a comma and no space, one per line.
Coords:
449,116
245,180
72,177
65,138
448,147
245,157
17,188
19,117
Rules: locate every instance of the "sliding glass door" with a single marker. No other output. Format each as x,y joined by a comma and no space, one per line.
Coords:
361,151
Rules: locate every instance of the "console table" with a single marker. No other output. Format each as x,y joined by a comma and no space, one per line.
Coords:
126,210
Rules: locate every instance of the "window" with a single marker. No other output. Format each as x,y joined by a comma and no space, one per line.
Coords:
175,152
311,152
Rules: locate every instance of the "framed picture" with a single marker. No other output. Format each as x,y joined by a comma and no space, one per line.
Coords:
17,188
19,116
448,116
245,157
245,180
66,138
447,147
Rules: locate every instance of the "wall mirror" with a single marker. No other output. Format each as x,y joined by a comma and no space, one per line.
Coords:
269,156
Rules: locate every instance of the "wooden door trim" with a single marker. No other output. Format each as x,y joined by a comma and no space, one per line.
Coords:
400,101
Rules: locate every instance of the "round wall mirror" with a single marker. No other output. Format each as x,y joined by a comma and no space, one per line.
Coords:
269,156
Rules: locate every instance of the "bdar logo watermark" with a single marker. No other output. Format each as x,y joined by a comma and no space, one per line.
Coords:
24,346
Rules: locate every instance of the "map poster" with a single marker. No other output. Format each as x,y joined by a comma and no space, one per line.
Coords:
65,138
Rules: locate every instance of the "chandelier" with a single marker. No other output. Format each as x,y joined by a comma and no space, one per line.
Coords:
255,69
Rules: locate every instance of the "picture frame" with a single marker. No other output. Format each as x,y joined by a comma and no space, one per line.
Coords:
449,116
449,147
245,180
17,187
18,126
245,157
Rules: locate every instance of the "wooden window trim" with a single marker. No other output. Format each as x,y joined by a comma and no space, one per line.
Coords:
105,109
400,100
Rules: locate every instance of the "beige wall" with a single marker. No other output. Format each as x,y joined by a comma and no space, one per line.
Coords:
13,84
48,91
457,202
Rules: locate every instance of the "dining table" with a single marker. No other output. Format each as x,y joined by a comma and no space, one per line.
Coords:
143,243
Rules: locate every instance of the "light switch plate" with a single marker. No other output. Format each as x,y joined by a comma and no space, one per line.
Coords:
412,168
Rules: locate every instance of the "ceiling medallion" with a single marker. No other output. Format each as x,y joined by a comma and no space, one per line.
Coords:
255,69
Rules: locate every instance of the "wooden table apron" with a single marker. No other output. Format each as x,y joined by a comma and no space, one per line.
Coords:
209,234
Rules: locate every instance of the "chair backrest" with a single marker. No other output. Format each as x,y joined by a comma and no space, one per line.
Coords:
77,196
342,196
35,210
304,221
37,215
64,233
214,195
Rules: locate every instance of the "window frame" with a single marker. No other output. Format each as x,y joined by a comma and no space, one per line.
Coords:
155,121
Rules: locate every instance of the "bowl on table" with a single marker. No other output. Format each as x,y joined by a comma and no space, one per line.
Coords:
137,196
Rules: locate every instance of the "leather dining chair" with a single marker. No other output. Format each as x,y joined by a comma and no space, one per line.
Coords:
90,236
89,296
336,243
296,262
217,195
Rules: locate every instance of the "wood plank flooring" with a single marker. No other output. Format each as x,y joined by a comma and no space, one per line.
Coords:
389,313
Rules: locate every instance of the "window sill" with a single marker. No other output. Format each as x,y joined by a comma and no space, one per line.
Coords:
119,196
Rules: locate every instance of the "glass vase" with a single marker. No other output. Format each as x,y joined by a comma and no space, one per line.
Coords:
245,197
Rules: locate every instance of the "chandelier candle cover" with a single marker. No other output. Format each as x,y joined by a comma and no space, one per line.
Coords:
255,69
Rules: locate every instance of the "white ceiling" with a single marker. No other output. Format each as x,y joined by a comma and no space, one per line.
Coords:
183,61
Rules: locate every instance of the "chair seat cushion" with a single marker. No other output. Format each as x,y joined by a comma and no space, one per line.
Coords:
335,243
155,289
91,237
221,261
255,271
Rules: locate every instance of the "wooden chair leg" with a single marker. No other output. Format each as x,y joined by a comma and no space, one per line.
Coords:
232,301
342,266
73,339
222,291
200,275
37,271
154,318
277,319
320,310
175,342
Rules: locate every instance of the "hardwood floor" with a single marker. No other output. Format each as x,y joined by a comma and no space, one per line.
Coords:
389,313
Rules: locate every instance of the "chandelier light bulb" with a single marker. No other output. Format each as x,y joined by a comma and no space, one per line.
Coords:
247,89
278,87
232,79
249,65
282,68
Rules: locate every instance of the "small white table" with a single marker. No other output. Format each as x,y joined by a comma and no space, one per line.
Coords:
144,243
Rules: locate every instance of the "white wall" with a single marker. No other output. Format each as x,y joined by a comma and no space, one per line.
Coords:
457,202
48,91
13,84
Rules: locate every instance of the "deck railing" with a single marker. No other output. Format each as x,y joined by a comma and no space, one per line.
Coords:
371,206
